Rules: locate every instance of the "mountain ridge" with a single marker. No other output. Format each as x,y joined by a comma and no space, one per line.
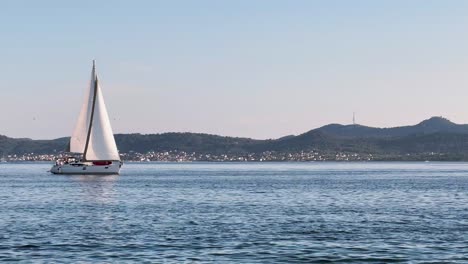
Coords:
433,135
431,125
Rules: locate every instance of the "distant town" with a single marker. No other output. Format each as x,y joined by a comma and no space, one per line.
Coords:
267,156
434,139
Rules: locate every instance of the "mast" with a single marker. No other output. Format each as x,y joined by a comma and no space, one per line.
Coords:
92,110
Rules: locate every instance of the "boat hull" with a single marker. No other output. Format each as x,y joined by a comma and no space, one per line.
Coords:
85,168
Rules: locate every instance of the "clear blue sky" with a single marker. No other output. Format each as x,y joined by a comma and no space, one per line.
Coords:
253,68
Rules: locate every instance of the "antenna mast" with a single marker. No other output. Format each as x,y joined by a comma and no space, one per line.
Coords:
354,118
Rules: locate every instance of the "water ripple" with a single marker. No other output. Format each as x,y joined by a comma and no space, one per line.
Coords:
246,213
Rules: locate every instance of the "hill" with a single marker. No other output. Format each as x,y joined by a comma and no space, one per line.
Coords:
429,126
434,135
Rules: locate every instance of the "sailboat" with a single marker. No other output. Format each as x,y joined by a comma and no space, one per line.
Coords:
92,143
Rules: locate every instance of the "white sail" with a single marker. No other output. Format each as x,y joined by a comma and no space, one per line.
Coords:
101,145
80,134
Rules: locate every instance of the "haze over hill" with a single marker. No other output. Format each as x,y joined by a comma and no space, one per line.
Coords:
434,135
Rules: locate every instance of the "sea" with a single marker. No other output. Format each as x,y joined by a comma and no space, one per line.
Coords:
318,212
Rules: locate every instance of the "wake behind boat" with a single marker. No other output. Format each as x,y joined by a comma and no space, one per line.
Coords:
92,142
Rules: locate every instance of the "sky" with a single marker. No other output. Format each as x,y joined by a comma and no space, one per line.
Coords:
248,68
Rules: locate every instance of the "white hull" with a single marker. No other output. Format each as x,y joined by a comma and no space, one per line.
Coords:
87,168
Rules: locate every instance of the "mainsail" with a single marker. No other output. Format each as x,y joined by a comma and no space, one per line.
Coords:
93,133
80,134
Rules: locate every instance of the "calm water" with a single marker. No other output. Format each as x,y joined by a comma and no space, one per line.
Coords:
248,213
